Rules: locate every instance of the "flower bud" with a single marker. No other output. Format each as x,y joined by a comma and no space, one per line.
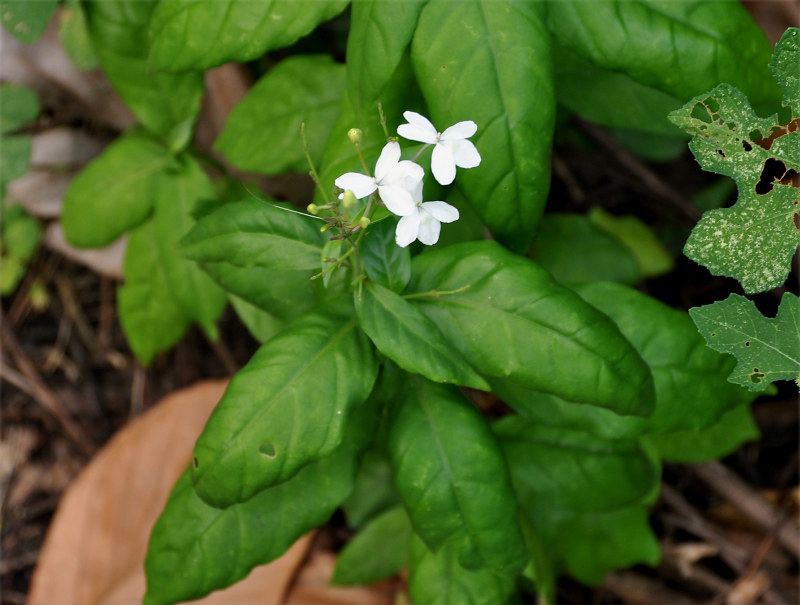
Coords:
355,135
349,199
364,222
312,209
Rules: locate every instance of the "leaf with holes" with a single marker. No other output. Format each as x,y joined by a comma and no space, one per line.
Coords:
286,408
768,349
754,240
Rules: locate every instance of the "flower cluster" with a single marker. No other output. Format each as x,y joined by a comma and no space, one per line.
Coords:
399,182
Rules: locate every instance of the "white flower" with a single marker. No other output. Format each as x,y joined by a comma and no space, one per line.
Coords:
425,222
393,179
451,146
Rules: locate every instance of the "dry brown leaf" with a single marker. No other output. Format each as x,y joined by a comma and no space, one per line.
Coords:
96,545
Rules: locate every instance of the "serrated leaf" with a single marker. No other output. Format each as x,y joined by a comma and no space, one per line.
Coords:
179,194
213,548
713,442
286,408
186,34
452,477
436,578
27,19
254,233
151,317
20,106
680,48
115,192
384,261
366,558
406,336
163,102
305,89
460,59
387,25
512,322
754,240
768,349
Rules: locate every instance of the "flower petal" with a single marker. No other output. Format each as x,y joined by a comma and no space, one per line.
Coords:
464,153
462,130
429,228
416,192
404,171
443,165
407,228
388,160
441,211
419,128
360,184
397,199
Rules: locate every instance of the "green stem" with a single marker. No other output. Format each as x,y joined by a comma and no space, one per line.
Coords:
313,172
436,293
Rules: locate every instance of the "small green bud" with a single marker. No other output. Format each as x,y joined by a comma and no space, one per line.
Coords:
355,135
364,222
312,209
349,199
324,228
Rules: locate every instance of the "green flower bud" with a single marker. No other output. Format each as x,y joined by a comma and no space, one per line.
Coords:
355,135
312,209
364,222
349,200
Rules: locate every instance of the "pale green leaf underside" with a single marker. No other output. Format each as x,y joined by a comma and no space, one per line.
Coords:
768,349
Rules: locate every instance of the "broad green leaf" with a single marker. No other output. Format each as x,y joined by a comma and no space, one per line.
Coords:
15,158
452,477
27,19
115,192
255,233
20,105
285,409
754,240
74,35
406,336
305,89
261,324
572,470
461,61
179,194
151,317
437,578
196,548
187,34
575,250
378,551
387,25
383,260
679,48
590,545
373,493
736,427
511,321
167,104
767,348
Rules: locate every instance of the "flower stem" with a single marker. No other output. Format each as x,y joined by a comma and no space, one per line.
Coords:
419,153
313,172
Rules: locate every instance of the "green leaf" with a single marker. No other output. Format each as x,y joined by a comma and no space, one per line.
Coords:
720,439
178,196
383,260
115,192
15,159
377,24
406,336
572,470
196,548
679,48
436,578
21,233
298,90
754,240
187,34
74,35
366,558
461,62
373,492
768,349
20,106
511,321
27,19
163,102
151,317
286,408
452,477
255,233
261,324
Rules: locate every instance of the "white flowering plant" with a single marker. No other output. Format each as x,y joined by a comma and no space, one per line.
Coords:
476,384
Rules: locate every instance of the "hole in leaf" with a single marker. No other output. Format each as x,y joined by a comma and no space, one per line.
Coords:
722,153
747,343
746,146
195,463
700,112
774,170
712,104
755,135
267,449
796,219
756,377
